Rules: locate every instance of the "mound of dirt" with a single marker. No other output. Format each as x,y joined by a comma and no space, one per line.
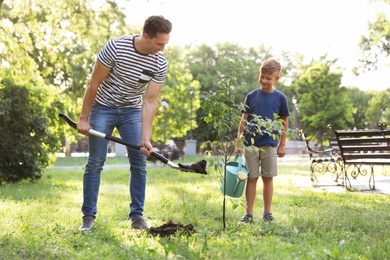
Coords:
171,228
198,167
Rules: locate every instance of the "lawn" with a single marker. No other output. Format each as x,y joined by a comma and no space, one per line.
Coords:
40,220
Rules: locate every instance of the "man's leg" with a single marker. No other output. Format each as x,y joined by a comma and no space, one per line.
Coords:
100,120
130,130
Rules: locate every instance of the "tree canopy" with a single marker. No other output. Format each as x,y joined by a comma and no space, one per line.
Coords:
321,99
375,44
56,43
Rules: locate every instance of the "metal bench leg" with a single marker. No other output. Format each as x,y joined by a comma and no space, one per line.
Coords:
313,176
348,184
340,173
371,182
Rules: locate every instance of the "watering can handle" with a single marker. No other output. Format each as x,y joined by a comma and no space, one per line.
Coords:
238,169
239,158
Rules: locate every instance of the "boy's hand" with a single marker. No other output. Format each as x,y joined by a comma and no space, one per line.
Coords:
238,150
281,151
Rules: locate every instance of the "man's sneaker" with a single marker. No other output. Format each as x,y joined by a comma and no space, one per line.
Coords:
139,223
267,217
88,222
247,218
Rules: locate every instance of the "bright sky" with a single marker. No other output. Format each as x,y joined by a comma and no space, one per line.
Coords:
310,27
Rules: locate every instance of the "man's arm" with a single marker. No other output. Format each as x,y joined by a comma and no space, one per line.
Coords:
149,108
100,73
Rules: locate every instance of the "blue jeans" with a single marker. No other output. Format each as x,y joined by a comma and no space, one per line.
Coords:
128,122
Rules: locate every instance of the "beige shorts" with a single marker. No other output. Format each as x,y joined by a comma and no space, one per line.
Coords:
264,158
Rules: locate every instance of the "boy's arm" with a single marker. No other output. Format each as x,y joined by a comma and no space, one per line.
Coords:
241,128
283,137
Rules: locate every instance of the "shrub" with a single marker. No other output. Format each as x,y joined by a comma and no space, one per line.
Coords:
26,142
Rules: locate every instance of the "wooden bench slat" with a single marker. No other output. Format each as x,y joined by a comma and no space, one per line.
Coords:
371,132
365,149
367,162
379,156
376,139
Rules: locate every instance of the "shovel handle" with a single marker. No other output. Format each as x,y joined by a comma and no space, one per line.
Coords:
112,138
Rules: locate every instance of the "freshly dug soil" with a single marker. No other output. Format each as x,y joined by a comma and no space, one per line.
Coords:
198,167
171,228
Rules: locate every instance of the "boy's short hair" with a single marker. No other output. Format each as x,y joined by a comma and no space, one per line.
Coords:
270,66
157,24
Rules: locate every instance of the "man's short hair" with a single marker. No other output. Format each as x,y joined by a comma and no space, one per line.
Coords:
157,24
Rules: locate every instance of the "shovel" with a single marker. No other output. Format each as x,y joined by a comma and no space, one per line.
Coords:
199,167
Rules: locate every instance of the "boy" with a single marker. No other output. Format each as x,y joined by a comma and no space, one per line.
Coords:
263,102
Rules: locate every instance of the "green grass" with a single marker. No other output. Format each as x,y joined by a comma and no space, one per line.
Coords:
40,220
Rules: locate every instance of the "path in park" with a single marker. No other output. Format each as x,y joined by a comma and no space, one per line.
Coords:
382,183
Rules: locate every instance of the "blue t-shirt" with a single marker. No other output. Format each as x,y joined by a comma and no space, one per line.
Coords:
264,104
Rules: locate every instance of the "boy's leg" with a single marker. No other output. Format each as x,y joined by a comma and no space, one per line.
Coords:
268,157
268,190
253,164
250,194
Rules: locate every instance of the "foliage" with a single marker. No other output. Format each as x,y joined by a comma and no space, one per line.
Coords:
210,64
26,124
223,114
182,93
321,99
273,128
57,41
220,105
378,109
40,220
375,45
359,101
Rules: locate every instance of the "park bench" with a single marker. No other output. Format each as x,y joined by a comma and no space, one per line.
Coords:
362,150
325,161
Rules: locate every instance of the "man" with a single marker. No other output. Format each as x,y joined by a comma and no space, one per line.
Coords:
123,93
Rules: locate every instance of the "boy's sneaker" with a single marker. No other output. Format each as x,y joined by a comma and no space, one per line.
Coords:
139,223
267,217
87,224
247,218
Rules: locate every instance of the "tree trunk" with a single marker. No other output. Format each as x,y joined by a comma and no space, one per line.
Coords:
68,147
319,136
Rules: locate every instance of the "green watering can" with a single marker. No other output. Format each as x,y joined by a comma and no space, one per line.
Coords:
236,176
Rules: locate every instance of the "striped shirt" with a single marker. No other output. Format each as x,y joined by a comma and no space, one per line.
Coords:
130,73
